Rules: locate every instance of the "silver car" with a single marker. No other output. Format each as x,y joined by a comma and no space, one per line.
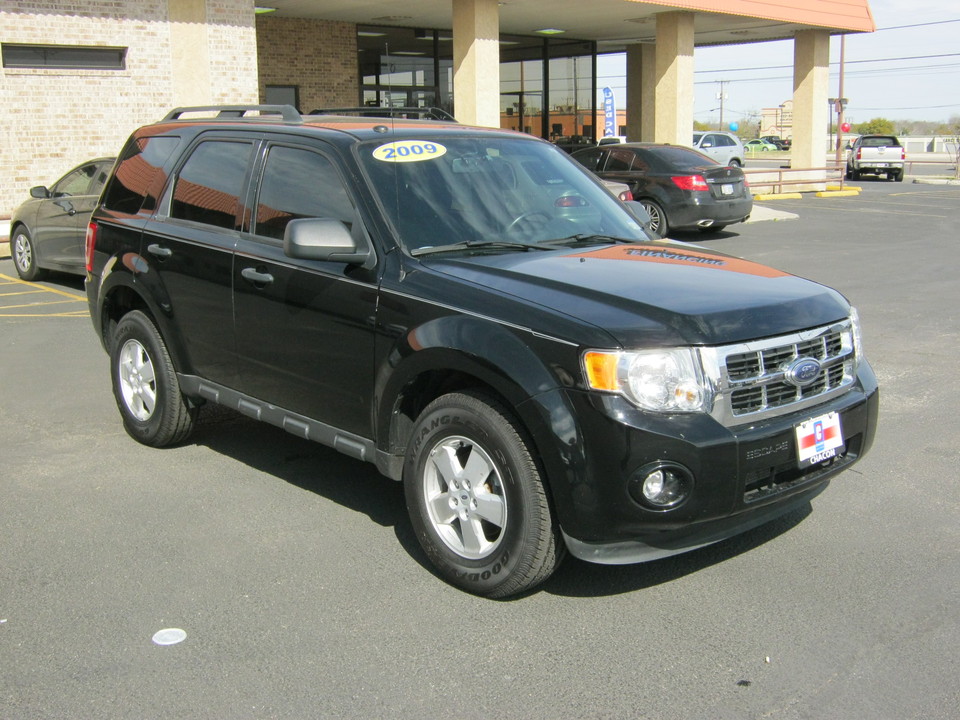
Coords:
723,147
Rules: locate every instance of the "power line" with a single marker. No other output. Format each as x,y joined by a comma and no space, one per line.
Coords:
848,62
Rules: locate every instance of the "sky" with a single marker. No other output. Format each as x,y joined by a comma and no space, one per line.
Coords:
916,75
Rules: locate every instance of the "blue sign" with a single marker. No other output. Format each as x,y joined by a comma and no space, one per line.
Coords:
609,113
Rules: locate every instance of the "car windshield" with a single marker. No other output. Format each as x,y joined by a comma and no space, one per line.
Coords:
479,194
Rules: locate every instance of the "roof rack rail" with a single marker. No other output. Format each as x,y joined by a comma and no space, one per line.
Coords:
410,113
288,112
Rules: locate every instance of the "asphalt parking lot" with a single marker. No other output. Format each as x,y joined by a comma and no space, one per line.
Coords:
303,593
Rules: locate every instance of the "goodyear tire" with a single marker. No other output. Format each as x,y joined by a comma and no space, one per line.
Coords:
145,384
476,498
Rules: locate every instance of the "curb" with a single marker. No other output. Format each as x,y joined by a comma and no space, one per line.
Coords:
839,193
778,196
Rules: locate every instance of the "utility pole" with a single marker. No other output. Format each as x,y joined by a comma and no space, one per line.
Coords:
841,102
721,96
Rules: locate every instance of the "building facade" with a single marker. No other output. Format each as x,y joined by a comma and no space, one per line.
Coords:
78,76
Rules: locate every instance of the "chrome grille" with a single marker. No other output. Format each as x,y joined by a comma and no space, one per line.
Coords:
753,382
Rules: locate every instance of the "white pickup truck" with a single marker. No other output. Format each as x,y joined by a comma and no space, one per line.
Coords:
876,155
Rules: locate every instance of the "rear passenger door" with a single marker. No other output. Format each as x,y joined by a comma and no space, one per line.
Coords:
189,248
305,328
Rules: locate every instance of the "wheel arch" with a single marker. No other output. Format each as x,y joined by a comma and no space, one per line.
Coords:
120,294
469,354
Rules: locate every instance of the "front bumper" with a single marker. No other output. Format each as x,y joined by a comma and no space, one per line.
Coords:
743,476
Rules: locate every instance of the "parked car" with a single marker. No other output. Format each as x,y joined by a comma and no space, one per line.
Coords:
47,231
875,155
759,145
781,143
680,188
724,147
472,312
573,142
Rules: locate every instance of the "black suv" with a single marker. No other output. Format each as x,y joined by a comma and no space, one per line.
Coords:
471,311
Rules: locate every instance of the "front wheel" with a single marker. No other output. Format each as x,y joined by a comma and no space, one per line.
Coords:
145,384
25,256
476,498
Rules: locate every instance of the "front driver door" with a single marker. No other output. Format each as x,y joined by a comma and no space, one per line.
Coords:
304,328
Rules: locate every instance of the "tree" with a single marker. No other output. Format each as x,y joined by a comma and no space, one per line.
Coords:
877,126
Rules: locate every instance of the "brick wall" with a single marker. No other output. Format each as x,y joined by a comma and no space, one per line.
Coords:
51,120
318,56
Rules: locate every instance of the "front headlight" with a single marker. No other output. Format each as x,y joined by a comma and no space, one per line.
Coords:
855,332
668,380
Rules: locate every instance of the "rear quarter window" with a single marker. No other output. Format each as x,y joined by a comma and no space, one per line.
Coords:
135,184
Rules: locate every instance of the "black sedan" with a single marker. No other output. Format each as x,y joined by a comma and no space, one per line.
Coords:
681,188
47,231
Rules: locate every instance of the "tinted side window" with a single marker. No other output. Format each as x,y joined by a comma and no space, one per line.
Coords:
619,160
76,183
589,159
100,178
209,184
299,183
136,173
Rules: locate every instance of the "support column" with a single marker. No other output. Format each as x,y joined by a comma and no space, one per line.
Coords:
189,59
476,62
811,77
641,96
674,78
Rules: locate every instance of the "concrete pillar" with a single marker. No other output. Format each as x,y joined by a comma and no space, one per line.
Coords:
811,76
189,59
674,78
641,96
476,62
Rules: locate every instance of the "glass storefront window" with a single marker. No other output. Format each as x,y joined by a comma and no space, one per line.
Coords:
547,85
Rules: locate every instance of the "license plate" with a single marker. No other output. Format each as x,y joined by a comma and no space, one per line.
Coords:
880,164
726,189
819,439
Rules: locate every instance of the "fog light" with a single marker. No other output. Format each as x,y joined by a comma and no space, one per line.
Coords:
661,486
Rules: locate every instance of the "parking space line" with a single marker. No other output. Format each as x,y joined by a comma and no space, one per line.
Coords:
32,289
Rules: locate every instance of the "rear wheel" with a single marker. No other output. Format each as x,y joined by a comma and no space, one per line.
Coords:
658,219
24,255
145,384
735,163
476,498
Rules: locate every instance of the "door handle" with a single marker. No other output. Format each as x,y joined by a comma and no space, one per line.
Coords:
159,251
257,278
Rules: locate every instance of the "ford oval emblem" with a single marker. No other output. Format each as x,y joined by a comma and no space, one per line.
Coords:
802,371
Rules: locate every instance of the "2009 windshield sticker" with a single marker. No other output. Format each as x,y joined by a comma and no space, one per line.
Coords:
409,151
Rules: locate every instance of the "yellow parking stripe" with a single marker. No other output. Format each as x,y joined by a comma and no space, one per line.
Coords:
32,289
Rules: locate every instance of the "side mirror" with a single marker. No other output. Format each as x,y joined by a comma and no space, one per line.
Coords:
640,214
324,239
849,147
40,192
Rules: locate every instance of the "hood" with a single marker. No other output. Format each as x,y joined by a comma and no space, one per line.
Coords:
657,293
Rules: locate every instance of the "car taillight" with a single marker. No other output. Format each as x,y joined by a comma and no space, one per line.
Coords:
626,196
859,153
90,245
903,154
570,201
690,182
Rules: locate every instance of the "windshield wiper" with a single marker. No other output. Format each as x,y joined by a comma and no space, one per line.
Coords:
586,239
476,244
